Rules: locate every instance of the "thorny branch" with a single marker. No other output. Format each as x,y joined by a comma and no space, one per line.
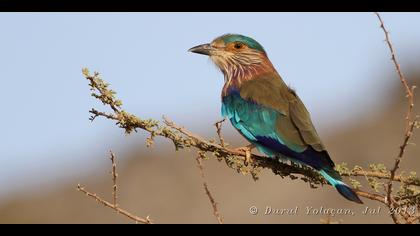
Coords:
411,122
114,205
114,178
206,188
219,131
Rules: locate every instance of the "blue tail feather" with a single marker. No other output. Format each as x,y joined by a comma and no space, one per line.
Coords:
341,187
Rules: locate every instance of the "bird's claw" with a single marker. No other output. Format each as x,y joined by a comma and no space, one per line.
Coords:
247,149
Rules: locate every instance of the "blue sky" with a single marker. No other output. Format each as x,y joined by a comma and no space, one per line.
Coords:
335,61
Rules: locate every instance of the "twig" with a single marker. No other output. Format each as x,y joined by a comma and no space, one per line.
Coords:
371,196
218,125
115,208
410,123
409,90
114,205
208,193
380,175
114,178
408,197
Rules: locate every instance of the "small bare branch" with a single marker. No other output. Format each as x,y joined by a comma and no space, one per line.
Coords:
218,125
206,188
115,208
371,196
114,179
410,122
408,89
114,205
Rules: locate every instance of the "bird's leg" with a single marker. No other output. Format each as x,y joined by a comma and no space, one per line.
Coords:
247,149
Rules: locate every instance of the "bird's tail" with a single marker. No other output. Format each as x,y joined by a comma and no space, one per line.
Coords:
334,179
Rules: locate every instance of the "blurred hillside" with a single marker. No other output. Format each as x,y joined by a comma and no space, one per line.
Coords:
168,186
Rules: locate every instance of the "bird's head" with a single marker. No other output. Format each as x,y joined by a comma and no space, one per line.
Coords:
233,52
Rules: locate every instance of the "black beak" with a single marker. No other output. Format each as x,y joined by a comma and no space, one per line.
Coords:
204,49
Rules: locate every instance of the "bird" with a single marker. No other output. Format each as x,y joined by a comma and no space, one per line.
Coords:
265,110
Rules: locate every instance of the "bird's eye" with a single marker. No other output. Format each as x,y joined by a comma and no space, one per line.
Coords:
237,46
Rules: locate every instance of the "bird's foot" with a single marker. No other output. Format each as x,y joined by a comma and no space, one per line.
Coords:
247,149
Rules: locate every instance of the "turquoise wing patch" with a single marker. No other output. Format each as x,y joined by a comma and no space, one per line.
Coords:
253,120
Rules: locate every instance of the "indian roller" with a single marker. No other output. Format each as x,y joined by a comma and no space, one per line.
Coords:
267,112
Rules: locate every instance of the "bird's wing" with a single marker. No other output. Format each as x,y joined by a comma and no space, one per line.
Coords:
271,110
252,120
260,112
302,120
